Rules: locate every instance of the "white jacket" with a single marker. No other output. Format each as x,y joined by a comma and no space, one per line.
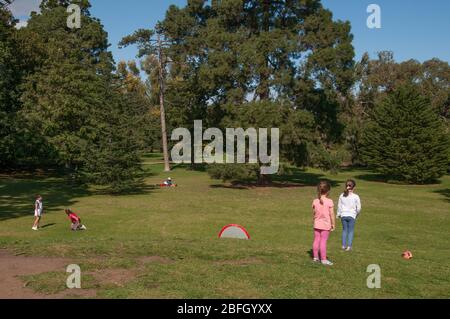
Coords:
349,206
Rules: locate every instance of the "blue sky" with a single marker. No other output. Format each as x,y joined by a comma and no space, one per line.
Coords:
411,28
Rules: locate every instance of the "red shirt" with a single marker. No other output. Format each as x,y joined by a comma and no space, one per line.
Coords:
74,218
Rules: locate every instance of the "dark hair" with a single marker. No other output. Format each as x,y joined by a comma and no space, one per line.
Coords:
351,181
323,188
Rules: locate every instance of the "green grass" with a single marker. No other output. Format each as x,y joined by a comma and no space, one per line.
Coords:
182,225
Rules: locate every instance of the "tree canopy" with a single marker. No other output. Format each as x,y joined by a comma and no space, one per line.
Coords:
65,103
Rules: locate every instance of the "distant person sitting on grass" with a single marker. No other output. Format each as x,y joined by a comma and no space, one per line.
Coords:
38,211
324,223
168,182
349,209
76,221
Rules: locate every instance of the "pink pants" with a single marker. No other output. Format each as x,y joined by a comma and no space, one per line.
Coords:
320,243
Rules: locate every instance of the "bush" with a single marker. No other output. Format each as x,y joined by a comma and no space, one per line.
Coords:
235,172
327,159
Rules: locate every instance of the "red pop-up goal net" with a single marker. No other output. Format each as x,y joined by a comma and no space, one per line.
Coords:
234,232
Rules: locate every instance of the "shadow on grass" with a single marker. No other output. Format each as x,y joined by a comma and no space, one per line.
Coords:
137,189
48,225
232,186
445,193
299,178
191,167
393,180
158,156
296,179
18,191
377,178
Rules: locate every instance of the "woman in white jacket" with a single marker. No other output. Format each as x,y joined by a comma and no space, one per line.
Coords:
349,209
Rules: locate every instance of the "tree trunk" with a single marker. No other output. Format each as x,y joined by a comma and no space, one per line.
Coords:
163,112
262,180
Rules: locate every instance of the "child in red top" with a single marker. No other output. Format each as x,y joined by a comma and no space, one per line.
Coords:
76,221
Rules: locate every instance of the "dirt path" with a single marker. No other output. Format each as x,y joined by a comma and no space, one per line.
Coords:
12,267
12,287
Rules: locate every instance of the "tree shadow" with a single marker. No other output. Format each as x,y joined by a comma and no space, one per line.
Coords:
18,194
301,178
190,167
379,178
231,186
158,156
137,189
297,178
146,172
445,193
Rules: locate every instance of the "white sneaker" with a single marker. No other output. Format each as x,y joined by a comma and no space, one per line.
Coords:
327,263
316,260
34,228
349,249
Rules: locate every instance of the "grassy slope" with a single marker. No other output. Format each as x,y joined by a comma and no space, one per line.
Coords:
182,224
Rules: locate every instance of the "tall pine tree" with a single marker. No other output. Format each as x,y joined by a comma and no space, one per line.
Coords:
405,139
8,87
19,144
71,97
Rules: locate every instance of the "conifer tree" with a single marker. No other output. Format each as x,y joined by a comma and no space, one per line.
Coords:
72,99
405,139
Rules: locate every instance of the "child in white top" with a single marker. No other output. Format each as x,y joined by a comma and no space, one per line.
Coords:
349,208
38,211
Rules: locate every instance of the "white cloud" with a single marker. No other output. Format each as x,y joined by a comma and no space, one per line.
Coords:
21,24
23,8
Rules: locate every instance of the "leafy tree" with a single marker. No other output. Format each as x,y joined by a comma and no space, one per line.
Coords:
8,85
146,116
435,84
19,145
296,136
72,99
379,77
9,71
405,139
71,80
239,51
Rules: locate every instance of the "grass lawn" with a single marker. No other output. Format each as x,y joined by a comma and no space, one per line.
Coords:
178,228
